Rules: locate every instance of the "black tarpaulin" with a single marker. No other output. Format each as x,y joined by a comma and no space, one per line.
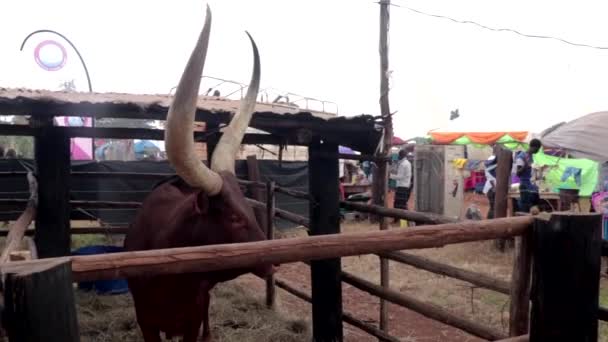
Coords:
292,175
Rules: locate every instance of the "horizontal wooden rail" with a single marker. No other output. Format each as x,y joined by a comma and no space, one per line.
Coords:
138,175
142,133
284,214
104,205
293,193
418,217
346,317
82,231
251,254
81,204
523,338
427,309
427,264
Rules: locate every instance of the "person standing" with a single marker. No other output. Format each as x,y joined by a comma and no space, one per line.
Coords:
489,188
403,179
528,191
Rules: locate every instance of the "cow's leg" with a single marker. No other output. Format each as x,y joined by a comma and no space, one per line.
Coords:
206,329
204,302
150,334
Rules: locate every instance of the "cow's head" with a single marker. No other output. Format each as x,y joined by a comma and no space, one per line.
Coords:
219,182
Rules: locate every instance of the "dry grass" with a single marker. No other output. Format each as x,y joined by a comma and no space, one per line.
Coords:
234,315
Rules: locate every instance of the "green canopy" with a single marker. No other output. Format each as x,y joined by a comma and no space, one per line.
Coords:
589,173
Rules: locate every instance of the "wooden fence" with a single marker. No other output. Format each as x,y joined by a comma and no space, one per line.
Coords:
561,252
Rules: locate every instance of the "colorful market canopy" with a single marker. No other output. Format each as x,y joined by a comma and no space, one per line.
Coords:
557,167
510,140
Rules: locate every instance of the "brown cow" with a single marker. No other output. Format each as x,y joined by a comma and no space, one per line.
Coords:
200,206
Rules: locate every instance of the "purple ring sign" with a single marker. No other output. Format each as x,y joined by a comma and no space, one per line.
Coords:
50,55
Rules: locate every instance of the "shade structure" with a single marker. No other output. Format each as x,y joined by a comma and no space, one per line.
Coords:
585,137
509,139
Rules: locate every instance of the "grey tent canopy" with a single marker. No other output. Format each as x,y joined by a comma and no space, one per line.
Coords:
585,137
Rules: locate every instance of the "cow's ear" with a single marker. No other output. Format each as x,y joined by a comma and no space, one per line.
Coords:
201,204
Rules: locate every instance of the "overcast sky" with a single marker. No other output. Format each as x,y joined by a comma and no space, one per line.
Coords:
329,49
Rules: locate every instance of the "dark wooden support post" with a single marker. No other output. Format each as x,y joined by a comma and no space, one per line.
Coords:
325,219
52,153
566,270
212,139
382,175
270,203
257,193
503,180
39,304
519,312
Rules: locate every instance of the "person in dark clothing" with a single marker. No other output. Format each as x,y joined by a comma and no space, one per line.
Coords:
490,187
528,191
1,151
403,179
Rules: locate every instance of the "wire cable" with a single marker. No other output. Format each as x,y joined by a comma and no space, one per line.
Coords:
500,29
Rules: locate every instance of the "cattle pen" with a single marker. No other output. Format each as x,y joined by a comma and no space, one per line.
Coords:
555,283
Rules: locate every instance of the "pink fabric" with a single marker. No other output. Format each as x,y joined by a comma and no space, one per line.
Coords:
80,148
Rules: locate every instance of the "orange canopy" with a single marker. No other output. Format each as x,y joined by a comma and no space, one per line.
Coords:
485,138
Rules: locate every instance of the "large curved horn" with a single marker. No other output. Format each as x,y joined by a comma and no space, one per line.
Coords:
179,142
228,146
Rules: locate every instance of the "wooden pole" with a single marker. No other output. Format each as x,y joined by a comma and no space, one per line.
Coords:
418,217
503,181
427,264
566,272
52,154
212,138
40,304
82,231
284,214
251,254
257,193
382,183
426,309
270,281
519,311
325,219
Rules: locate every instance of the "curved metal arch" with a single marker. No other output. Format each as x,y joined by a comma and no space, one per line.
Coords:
84,65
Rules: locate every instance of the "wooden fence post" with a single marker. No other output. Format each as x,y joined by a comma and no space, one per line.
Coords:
52,153
503,179
253,173
325,219
211,128
270,202
40,304
519,312
566,270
